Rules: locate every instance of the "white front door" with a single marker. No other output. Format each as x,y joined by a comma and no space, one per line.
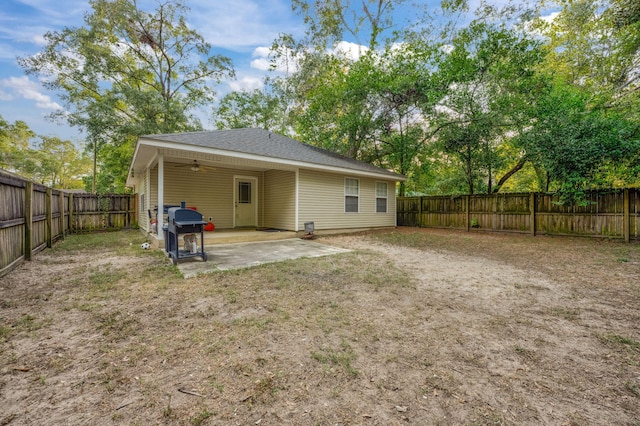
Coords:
246,201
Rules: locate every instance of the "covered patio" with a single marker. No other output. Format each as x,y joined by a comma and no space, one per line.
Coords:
255,185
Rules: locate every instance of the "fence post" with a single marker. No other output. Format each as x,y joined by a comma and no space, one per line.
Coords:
468,211
61,209
49,213
420,212
532,212
28,218
70,212
626,224
136,213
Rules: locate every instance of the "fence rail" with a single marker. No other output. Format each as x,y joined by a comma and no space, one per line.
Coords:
33,217
610,214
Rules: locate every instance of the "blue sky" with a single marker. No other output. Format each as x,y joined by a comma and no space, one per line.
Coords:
239,29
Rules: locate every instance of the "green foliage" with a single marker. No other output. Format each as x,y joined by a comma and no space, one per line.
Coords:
59,164
265,109
492,85
128,72
340,111
44,159
574,143
485,107
14,144
329,21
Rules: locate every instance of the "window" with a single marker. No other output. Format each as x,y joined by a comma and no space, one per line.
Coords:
351,195
244,192
381,197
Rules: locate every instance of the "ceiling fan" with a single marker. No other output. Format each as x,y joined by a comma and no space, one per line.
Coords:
195,166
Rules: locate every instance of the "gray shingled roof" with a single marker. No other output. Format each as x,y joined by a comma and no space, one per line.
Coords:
267,144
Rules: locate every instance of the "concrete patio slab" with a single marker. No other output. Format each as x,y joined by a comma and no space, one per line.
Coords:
222,257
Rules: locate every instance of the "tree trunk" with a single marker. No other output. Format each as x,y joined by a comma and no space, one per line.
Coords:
510,173
95,166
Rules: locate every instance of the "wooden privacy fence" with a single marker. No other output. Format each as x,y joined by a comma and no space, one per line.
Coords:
610,214
33,217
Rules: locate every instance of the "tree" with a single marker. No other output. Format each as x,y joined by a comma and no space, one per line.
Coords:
59,164
336,107
595,44
46,160
128,72
14,144
335,89
492,84
328,21
574,143
267,108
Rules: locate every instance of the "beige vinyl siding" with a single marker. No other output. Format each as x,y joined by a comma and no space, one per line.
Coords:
322,202
279,199
153,190
143,192
210,191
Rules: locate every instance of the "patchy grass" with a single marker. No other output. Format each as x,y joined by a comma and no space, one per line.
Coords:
617,340
342,358
412,326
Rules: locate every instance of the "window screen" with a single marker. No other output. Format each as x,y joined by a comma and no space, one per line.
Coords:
351,195
381,197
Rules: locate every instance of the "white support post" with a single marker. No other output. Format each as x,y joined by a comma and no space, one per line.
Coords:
297,209
160,195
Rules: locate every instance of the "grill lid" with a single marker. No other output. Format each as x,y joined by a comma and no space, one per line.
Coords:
180,214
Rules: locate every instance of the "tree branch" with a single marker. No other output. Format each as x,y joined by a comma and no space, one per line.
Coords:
519,165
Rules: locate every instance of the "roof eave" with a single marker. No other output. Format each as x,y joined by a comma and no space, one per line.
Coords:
276,160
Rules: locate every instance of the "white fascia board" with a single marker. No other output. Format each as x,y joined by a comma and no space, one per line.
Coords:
275,160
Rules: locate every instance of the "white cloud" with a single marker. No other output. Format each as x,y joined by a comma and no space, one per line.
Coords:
28,89
286,63
39,40
247,83
447,48
262,64
350,50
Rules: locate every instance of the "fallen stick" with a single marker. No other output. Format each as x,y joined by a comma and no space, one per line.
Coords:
125,405
21,368
188,392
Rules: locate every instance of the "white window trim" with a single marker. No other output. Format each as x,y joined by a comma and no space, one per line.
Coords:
344,198
386,197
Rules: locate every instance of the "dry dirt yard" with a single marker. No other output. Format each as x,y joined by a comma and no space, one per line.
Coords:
414,326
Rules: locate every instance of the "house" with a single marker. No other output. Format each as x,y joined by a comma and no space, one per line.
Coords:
253,178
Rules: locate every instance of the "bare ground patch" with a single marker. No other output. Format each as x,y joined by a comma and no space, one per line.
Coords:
413,327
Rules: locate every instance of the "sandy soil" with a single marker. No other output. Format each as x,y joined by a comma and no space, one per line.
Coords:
413,327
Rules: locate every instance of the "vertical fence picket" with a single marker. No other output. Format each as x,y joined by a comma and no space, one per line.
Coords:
607,214
32,218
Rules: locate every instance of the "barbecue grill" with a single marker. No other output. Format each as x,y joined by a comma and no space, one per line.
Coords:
183,221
